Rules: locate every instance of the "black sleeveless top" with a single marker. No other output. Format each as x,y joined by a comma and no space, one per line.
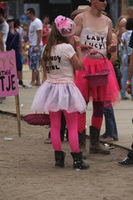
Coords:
131,41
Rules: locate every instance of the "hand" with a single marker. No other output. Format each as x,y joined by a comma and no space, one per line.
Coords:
129,88
36,48
47,33
89,48
93,52
76,41
112,48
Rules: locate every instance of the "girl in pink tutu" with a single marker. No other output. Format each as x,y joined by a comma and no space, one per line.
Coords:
58,92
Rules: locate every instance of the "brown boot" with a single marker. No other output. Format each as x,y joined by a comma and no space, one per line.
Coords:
82,144
95,146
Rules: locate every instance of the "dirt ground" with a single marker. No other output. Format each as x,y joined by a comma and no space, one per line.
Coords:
27,170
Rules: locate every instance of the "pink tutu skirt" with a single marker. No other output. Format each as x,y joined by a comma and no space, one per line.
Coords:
106,93
62,96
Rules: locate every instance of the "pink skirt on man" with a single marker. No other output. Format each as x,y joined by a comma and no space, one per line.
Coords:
108,93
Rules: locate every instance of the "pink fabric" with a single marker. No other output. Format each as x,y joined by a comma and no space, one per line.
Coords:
81,118
55,97
71,121
96,122
97,117
108,93
65,25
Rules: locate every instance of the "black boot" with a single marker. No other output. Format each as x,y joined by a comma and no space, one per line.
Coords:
59,158
95,146
128,161
77,161
21,83
82,144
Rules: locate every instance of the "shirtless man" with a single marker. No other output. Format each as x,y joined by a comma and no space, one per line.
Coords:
94,29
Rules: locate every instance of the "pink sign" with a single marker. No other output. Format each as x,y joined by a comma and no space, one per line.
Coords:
8,74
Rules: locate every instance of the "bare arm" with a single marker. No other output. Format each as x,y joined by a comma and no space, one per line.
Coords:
76,59
44,35
130,74
1,41
79,25
20,42
76,62
110,46
121,27
39,37
113,58
109,36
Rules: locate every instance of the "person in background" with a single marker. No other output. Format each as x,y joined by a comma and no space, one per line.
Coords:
111,132
121,27
130,71
19,28
14,42
26,44
80,9
128,160
46,29
4,28
35,46
58,92
125,52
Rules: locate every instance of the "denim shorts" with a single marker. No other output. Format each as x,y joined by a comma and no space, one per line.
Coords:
34,57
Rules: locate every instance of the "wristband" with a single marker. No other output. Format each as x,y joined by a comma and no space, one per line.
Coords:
129,83
79,47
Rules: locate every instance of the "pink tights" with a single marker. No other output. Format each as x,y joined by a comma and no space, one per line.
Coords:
71,121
